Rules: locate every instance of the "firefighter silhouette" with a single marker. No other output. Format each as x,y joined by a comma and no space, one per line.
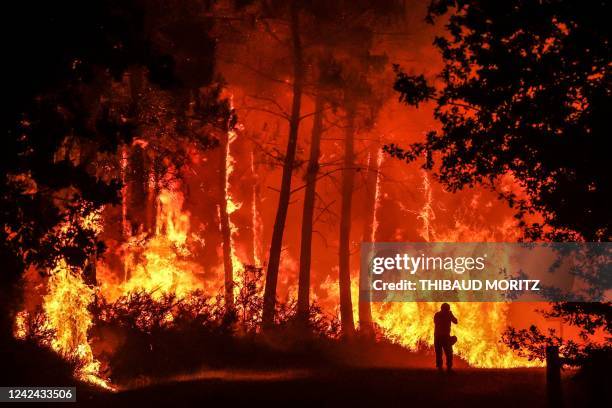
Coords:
443,341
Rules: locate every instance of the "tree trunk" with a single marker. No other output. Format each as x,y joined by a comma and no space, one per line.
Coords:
255,214
126,230
285,193
348,181
137,177
152,196
308,212
138,189
226,230
365,310
553,377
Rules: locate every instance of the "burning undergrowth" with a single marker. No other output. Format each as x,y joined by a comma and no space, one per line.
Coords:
154,334
145,307
143,336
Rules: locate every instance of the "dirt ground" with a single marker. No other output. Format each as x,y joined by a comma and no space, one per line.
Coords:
353,387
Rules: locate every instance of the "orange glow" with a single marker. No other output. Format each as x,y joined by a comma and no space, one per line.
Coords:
66,315
180,251
479,328
377,191
157,264
66,310
480,324
231,204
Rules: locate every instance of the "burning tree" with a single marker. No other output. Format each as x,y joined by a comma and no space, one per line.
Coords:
334,88
307,32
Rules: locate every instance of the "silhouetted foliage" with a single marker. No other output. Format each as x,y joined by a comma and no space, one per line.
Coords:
413,89
593,354
155,335
588,316
526,91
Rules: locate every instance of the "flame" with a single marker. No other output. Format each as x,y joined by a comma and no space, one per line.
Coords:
162,261
411,325
66,316
20,328
256,224
157,264
427,214
66,309
480,324
125,226
377,191
231,205
172,221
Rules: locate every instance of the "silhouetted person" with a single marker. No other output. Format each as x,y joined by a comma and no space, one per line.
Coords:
442,337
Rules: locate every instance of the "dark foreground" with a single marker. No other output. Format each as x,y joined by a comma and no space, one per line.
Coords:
344,387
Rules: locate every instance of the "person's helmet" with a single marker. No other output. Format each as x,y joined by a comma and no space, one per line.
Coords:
445,307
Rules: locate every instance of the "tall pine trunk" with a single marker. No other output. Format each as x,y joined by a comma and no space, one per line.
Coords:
365,310
308,212
226,230
138,189
285,193
137,177
153,190
348,181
